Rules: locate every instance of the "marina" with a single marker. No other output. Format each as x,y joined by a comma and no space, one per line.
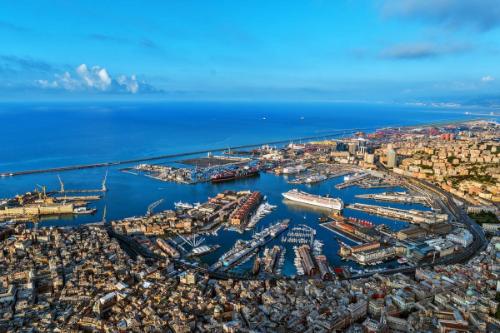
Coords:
216,210
242,249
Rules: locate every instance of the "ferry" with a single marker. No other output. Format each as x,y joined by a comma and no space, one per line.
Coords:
314,200
315,179
84,210
183,205
293,169
203,250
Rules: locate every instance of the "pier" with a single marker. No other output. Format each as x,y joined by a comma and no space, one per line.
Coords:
331,226
400,197
412,215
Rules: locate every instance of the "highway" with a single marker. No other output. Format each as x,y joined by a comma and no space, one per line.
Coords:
478,244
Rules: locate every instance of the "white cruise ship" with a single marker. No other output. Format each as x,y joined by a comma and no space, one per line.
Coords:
314,200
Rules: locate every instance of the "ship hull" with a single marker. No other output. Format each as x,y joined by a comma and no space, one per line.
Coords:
235,177
312,202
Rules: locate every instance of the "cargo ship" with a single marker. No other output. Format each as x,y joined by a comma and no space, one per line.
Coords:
314,200
225,176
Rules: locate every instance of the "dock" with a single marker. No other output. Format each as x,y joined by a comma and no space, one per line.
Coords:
331,226
400,197
411,215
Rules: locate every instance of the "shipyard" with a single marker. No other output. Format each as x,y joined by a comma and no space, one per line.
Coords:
42,203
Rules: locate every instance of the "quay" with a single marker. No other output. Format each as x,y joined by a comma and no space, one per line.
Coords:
401,197
332,227
412,215
351,181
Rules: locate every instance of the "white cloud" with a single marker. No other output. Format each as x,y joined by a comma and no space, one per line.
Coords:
487,78
96,79
130,84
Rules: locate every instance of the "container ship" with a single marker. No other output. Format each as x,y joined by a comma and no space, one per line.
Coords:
225,176
314,200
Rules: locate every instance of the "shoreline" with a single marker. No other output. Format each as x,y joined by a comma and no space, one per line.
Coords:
334,133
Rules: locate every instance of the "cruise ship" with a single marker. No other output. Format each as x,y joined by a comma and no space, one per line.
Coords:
314,200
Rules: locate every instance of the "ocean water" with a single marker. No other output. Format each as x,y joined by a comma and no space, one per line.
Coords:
52,135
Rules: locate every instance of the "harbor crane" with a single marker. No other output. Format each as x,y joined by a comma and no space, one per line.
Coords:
104,188
192,241
104,214
153,206
44,191
62,184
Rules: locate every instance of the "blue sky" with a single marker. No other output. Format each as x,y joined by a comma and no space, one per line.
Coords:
392,51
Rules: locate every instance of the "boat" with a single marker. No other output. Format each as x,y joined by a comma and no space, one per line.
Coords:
225,176
84,210
263,210
293,169
243,248
315,179
314,200
203,250
183,205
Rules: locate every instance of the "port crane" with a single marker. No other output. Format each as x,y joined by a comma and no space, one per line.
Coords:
62,184
43,194
104,214
192,241
152,206
103,188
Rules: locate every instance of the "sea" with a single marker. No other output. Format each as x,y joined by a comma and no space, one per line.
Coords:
46,135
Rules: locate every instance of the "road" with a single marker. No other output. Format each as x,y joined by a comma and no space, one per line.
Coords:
479,243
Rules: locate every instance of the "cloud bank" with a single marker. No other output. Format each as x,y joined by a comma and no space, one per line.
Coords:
95,79
480,14
487,78
422,50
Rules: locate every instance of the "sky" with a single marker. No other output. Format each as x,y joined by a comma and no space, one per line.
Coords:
439,52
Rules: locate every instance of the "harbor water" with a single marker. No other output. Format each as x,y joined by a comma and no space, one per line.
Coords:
42,136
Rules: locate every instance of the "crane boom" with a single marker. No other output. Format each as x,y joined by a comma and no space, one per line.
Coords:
153,206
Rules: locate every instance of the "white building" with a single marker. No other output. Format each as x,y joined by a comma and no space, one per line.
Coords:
462,237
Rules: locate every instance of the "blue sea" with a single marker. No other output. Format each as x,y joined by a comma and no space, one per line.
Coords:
44,135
